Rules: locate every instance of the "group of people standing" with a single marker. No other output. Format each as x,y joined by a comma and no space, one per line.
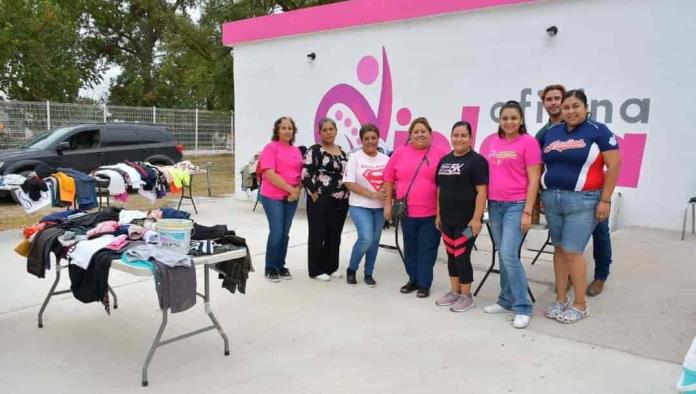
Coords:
444,196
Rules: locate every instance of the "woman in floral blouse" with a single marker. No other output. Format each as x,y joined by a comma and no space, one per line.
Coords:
327,202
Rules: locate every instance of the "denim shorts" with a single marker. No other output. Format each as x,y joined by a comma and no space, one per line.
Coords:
571,217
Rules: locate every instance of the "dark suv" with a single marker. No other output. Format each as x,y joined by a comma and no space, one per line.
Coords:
86,147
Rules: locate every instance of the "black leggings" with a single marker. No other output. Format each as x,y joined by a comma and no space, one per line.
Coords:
458,253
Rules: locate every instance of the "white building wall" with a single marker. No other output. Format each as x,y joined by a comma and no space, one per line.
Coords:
616,50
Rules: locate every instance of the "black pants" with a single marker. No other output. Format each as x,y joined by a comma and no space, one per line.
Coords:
458,253
326,217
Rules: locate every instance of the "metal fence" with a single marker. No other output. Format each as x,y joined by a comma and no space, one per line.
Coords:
196,129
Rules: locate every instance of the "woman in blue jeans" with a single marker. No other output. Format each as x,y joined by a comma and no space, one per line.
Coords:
514,163
281,165
576,196
364,177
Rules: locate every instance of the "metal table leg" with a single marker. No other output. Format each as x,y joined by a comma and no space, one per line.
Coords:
492,268
207,177
190,194
52,292
49,295
209,311
113,294
158,342
153,347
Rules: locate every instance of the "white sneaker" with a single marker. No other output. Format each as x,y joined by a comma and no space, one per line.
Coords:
521,321
322,277
337,275
495,308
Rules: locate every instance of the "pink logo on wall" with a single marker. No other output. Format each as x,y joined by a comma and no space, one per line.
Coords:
631,145
347,95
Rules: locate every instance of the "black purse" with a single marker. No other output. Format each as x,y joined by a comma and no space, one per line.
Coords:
399,206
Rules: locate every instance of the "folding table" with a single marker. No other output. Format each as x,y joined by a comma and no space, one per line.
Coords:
206,261
491,268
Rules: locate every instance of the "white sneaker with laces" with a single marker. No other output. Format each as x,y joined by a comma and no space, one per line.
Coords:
495,308
322,277
337,275
521,321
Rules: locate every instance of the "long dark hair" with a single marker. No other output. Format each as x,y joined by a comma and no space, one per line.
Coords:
276,128
516,106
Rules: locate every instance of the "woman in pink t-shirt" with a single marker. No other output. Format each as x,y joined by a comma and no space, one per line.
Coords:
412,169
514,163
281,165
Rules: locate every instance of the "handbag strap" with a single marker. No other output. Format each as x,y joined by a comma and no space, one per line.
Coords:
416,174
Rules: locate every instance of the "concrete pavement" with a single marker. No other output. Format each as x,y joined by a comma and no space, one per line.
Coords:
305,336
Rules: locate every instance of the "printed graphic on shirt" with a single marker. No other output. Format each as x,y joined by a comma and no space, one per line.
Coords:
375,177
502,155
450,169
560,146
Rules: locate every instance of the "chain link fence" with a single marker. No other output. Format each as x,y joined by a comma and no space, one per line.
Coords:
198,130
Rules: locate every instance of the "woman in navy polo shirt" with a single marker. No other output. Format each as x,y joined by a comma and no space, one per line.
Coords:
576,196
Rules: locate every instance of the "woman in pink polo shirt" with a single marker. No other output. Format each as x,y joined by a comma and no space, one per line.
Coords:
514,164
281,165
412,168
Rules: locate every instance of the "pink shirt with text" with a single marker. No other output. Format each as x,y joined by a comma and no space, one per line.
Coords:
286,161
507,164
422,200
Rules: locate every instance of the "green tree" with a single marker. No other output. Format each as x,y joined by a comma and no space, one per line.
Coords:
132,33
168,60
43,56
197,69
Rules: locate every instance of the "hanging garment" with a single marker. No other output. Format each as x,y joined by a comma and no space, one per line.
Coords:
86,187
67,188
30,204
117,184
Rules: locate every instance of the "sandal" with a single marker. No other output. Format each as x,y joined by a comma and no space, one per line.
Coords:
553,311
409,287
423,292
572,315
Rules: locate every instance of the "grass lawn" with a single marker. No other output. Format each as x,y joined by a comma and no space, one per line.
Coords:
12,216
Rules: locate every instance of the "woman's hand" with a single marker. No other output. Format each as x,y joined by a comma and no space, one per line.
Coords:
475,226
602,211
378,195
526,222
438,223
314,196
294,194
387,214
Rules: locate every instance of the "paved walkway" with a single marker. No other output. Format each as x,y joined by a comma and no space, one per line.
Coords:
305,336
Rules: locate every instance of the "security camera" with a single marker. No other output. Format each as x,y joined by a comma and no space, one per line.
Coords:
552,31
312,55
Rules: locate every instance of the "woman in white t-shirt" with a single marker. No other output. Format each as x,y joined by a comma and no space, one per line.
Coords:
364,178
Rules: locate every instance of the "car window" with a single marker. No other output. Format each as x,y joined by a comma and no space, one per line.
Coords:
87,139
47,139
119,137
152,136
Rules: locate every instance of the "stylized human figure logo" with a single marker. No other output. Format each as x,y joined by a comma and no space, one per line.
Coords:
343,94
368,71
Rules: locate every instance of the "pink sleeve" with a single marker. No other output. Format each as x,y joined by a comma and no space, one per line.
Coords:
268,157
390,169
532,152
